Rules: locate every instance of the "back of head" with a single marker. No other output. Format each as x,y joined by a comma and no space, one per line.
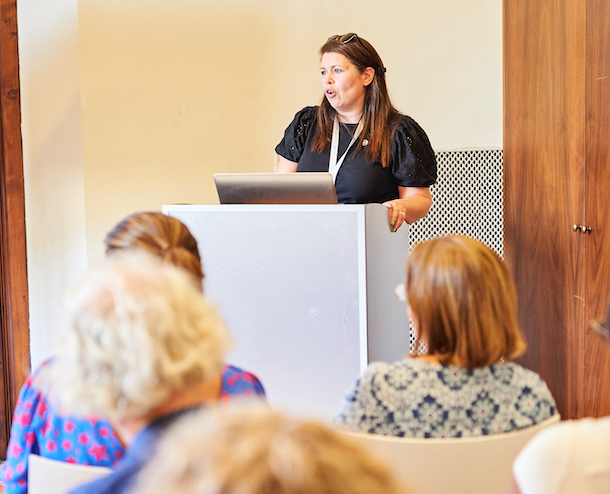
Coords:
463,302
159,235
134,331
254,450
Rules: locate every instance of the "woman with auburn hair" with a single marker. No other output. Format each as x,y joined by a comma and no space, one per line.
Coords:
373,152
259,451
462,303
39,427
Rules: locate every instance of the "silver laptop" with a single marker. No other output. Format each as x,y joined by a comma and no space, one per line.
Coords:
275,188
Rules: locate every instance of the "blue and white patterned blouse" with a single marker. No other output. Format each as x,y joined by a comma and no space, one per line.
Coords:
414,398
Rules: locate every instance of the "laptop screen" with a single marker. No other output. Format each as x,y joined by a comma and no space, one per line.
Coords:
275,188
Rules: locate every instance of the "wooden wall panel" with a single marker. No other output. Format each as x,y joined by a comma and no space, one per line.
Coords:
544,62
594,377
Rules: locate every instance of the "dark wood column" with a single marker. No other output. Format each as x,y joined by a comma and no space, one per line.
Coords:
13,275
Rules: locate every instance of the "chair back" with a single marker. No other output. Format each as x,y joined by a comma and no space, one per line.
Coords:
477,465
46,476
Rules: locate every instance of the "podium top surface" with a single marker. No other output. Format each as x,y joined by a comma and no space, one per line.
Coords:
168,208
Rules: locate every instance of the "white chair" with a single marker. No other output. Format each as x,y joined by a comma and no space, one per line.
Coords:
46,476
478,465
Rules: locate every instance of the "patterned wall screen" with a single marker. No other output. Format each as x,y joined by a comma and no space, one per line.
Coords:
467,199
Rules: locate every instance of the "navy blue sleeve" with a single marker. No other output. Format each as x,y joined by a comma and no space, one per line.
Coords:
413,159
293,144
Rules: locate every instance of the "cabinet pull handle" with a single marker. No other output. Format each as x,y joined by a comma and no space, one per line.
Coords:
582,228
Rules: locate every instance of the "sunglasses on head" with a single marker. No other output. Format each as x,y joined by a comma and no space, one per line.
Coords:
345,38
348,38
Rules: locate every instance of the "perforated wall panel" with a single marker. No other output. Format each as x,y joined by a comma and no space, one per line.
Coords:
467,199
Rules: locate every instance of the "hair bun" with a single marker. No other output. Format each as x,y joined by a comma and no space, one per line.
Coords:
163,236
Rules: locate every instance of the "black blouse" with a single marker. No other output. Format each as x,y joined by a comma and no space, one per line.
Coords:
360,180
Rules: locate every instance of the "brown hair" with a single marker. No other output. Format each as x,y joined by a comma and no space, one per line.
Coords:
160,235
255,450
463,302
379,117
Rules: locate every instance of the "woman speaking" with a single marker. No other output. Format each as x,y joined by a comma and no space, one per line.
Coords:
374,153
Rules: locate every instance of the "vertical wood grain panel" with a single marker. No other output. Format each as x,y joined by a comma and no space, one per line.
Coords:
4,403
594,398
15,319
544,62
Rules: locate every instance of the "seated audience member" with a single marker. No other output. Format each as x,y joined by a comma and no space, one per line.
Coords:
39,428
573,456
140,345
462,303
170,239
250,450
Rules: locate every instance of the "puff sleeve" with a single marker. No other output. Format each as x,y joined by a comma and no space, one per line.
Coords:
413,160
293,144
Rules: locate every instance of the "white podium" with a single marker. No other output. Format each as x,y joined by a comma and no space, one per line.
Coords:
307,292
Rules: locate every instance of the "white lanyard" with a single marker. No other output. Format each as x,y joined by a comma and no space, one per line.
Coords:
333,164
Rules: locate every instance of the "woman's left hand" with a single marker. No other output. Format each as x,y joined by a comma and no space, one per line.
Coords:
396,214
412,204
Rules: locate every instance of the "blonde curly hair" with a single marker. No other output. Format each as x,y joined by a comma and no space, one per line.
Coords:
254,450
134,331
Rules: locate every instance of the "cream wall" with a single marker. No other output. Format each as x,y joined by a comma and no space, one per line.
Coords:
53,159
176,91
173,92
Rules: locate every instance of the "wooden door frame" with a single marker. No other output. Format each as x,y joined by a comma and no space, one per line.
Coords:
15,356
